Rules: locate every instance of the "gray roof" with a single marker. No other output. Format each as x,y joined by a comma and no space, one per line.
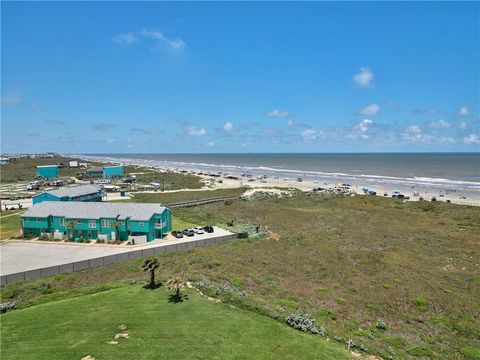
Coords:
94,210
74,191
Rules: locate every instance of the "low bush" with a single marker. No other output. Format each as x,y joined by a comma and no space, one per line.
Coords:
381,325
302,321
7,306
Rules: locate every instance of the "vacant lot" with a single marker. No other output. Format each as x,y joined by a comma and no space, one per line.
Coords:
25,169
172,197
10,224
349,261
156,329
167,180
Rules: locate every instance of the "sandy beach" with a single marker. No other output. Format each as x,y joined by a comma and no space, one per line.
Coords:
214,179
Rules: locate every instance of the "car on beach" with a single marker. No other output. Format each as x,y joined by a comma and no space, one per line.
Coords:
177,234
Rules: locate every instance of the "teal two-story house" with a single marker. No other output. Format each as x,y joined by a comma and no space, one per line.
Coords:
97,220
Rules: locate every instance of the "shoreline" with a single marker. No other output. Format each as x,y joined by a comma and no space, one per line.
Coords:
381,185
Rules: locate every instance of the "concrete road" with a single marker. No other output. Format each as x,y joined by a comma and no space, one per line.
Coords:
18,256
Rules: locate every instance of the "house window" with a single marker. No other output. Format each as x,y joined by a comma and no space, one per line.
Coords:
140,223
105,223
62,222
27,219
38,220
92,224
79,221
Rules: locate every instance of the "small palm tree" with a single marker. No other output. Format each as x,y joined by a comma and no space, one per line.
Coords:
71,225
175,285
150,265
116,224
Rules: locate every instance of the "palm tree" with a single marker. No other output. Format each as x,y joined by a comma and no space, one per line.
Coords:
176,284
150,265
71,225
116,224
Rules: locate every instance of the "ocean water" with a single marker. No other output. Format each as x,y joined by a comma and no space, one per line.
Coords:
459,171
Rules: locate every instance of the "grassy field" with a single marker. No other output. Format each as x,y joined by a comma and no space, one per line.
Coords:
193,329
25,169
348,261
168,180
9,224
172,197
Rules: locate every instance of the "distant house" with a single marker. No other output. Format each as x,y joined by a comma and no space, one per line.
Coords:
4,161
94,172
113,172
74,193
94,220
73,164
48,171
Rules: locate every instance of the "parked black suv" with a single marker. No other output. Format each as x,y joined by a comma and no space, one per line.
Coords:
208,229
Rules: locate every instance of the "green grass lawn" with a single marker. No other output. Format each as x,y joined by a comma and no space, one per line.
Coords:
193,329
10,224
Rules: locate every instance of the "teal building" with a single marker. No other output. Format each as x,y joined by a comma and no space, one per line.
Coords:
47,171
74,193
94,220
113,172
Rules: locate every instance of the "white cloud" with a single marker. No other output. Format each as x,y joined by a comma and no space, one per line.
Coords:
110,140
194,131
463,125
414,134
125,39
360,131
229,126
309,135
463,111
290,123
278,113
364,78
372,109
210,143
12,101
471,139
156,37
439,124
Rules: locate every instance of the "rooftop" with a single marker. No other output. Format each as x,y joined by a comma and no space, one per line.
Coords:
95,168
74,191
46,166
95,210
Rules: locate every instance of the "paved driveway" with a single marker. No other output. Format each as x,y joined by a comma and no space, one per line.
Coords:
18,256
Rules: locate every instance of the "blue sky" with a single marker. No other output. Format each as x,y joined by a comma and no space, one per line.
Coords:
109,77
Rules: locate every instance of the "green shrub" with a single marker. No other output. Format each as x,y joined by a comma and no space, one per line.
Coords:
302,321
381,325
421,304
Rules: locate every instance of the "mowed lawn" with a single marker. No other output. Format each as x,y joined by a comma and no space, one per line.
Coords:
10,224
157,329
